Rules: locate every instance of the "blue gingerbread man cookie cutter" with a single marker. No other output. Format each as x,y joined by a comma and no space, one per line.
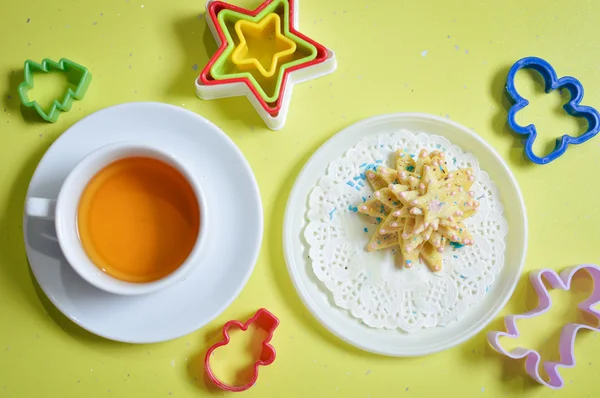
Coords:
573,108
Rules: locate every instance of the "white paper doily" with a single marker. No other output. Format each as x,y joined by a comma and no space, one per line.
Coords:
369,285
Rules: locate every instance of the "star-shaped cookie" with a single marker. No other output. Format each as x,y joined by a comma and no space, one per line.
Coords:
422,206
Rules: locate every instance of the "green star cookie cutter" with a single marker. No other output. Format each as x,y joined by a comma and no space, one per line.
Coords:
219,70
77,75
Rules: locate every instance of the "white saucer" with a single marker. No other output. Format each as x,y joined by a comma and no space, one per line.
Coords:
393,342
232,198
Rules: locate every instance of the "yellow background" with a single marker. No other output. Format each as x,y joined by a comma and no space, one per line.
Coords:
145,50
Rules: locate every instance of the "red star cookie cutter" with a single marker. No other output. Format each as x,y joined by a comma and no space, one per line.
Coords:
264,320
273,114
569,331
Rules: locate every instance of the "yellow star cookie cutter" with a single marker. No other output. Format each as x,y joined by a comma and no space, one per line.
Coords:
268,45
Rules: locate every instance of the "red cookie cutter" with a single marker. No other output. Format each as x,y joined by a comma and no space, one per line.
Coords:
264,320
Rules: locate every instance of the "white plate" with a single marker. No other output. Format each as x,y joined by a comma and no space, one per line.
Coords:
225,177
393,342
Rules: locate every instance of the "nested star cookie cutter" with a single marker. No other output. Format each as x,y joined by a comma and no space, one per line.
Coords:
273,114
73,71
264,320
573,108
569,331
221,68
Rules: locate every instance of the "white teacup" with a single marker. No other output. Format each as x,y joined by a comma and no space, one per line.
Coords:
64,211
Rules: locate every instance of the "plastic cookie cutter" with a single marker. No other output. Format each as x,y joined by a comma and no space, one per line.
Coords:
275,113
269,45
573,108
268,88
77,75
264,320
568,332
224,67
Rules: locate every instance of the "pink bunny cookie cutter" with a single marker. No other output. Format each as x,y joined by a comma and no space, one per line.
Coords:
568,332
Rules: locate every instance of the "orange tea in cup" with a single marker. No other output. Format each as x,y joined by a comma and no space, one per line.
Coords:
138,219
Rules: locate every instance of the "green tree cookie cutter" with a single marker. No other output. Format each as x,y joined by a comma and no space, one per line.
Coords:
77,75
219,69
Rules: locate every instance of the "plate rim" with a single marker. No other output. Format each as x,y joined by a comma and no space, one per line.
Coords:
288,240
254,256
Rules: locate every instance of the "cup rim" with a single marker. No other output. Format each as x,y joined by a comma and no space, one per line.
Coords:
78,258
